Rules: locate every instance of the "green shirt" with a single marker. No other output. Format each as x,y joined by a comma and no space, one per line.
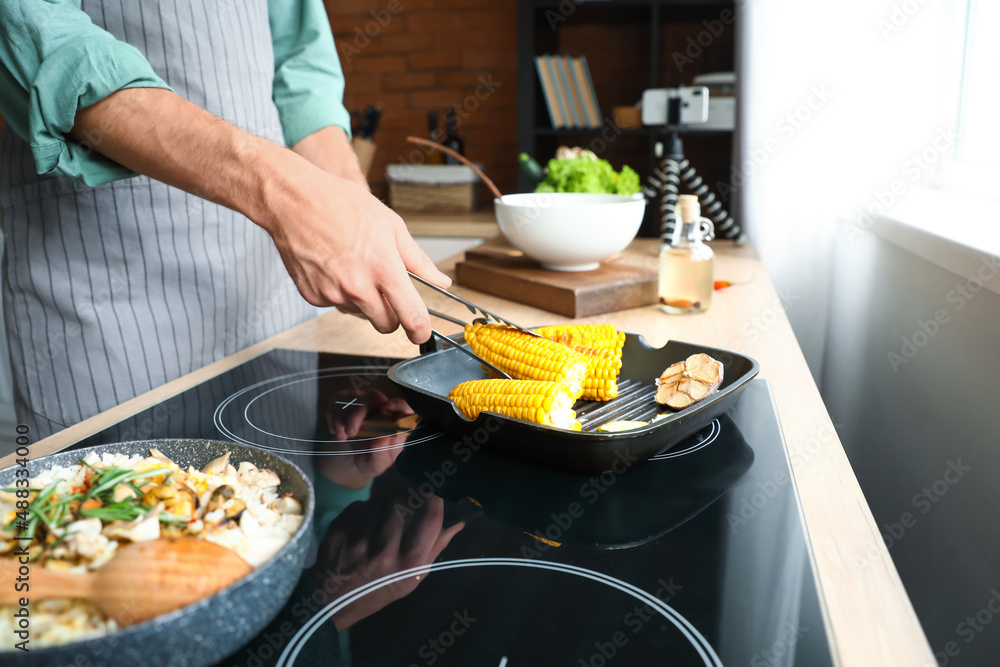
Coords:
54,61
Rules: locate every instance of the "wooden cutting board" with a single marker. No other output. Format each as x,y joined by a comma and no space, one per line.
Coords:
629,281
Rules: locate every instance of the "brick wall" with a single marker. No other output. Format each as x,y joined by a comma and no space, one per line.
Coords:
413,56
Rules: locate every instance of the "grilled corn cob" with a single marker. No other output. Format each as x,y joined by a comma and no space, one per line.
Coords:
595,336
526,357
602,345
548,403
603,366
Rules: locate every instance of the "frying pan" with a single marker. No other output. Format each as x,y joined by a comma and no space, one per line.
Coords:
212,628
426,380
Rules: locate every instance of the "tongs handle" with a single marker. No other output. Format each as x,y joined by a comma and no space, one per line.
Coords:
473,308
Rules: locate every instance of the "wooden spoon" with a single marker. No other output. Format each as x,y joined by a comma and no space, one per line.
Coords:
142,581
461,158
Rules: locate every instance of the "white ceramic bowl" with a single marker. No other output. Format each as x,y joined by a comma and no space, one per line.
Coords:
569,231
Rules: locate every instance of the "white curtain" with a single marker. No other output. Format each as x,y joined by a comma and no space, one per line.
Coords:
836,99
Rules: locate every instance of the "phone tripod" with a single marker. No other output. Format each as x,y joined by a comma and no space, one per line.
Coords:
672,169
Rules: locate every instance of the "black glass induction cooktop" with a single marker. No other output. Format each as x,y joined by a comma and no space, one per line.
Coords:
430,550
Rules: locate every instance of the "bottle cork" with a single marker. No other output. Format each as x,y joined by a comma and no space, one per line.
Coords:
690,208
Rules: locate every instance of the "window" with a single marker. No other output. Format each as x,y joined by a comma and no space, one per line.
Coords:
975,168
979,131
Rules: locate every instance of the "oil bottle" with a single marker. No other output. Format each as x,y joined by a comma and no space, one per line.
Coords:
686,263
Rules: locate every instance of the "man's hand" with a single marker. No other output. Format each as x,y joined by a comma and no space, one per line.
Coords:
341,246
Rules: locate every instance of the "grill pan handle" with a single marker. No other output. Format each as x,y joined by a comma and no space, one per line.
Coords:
432,346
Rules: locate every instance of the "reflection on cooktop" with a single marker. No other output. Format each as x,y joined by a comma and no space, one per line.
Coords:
433,551
669,494
360,411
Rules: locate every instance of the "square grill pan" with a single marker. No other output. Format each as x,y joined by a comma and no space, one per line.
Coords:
427,379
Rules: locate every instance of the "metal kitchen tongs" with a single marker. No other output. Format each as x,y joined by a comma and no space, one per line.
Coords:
473,308
475,311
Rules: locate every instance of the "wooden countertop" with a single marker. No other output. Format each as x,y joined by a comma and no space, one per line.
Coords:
477,225
868,615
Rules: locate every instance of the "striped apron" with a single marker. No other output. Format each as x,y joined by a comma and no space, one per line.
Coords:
111,291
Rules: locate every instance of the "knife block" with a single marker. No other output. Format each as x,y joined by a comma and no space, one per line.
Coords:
365,150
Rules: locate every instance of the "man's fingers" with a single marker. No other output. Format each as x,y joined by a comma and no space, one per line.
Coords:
426,529
417,261
367,302
397,406
355,418
406,303
444,538
390,534
376,309
350,309
336,428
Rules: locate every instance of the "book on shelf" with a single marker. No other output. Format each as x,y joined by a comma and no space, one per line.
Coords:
587,91
568,91
558,92
549,90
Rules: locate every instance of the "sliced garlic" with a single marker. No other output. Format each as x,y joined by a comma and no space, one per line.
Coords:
689,381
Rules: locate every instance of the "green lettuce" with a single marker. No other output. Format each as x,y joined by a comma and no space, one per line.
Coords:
586,174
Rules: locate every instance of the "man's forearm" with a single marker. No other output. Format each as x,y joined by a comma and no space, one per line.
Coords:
330,150
160,134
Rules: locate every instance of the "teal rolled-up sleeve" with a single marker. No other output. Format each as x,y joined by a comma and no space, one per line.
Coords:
308,80
53,62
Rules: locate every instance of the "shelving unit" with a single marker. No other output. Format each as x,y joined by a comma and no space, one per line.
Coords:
629,46
658,131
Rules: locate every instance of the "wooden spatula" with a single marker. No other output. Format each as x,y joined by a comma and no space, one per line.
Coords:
142,581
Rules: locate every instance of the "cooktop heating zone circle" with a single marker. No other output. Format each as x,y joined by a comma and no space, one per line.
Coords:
691,646
343,411
700,440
